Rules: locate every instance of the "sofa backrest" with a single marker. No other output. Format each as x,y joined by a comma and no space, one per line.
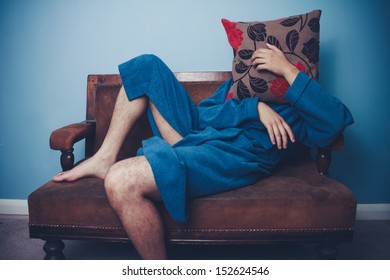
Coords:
102,91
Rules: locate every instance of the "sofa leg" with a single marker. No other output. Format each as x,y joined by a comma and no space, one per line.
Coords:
327,251
53,249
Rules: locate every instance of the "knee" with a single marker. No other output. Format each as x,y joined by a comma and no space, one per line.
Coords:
151,62
115,184
122,182
151,58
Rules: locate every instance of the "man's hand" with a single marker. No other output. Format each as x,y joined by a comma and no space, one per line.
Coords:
274,60
279,131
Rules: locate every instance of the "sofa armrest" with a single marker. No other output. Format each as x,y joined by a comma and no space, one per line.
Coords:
64,138
324,155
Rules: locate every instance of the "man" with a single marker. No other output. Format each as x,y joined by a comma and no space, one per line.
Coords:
219,145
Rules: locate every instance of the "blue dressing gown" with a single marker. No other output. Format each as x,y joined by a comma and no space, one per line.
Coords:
225,146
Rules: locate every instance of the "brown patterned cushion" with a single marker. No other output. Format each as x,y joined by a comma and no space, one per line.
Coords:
298,38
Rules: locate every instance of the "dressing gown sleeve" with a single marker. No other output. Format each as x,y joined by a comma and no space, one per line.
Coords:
215,112
324,116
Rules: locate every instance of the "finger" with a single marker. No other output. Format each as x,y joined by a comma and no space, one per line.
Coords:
260,53
263,50
289,131
283,135
261,67
278,136
272,47
258,61
271,135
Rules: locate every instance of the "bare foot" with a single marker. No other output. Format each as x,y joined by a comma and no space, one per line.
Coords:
93,167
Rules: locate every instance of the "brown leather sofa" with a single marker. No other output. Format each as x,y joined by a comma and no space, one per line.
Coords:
299,203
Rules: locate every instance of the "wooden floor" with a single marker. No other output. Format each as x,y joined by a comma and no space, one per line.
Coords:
371,242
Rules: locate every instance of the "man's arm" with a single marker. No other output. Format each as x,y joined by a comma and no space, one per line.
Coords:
273,59
324,116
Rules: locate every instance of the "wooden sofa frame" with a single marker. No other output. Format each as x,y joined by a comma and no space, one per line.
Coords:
299,203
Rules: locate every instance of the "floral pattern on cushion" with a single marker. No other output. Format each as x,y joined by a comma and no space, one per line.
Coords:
296,36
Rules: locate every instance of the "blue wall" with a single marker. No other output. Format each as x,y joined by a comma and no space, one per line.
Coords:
49,47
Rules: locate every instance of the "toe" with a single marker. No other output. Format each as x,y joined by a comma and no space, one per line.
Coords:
59,177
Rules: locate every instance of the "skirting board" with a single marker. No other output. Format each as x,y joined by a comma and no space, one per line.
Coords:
364,211
13,207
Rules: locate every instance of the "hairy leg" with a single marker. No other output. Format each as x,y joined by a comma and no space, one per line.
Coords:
168,133
125,114
131,190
